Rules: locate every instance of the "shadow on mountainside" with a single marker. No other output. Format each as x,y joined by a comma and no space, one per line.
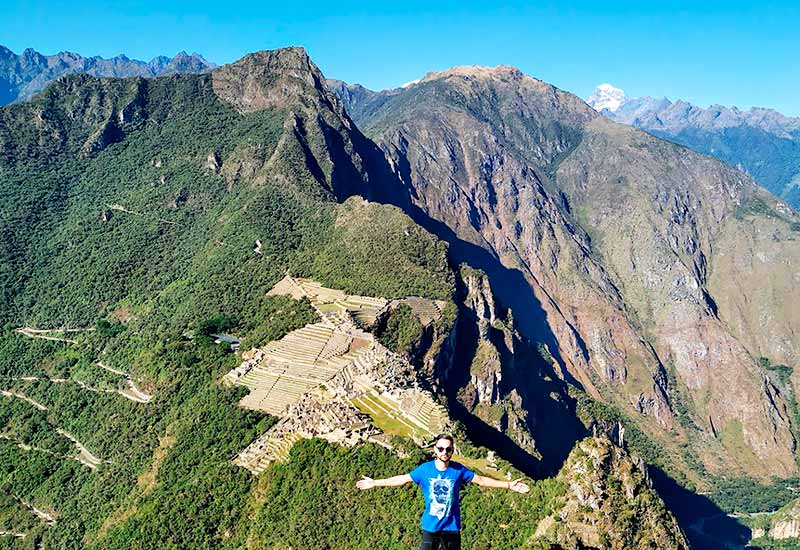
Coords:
558,427
509,285
553,423
705,525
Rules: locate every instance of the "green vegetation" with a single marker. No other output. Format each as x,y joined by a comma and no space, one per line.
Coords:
764,543
782,376
755,206
750,496
678,399
400,330
319,482
113,221
590,410
783,372
405,261
126,434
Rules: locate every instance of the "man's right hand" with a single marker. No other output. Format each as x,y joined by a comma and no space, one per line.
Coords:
365,483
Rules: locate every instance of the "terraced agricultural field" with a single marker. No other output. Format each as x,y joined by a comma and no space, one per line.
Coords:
408,413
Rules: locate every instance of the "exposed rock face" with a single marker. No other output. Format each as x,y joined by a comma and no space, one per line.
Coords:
500,378
268,80
23,75
317,132
609,504
669,223
787,523
626,242
786,530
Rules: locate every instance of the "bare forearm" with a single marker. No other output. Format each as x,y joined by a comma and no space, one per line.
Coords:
395,481
516,485
484,481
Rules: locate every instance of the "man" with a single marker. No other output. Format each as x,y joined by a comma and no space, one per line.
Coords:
440,481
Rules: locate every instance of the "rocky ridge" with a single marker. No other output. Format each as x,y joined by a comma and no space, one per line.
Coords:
497,375
609,504
786,523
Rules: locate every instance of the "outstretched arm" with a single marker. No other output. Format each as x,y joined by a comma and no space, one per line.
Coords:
396,481
516,485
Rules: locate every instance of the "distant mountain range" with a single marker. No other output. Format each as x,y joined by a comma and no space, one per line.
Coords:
23,75
761,142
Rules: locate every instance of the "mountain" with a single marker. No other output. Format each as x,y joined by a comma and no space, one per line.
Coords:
606,96
23,75
658,280
761,142
610,489
152,226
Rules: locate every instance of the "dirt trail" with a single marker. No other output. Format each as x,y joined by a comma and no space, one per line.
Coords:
47,334
131,392
13,534
36,404
26,447
120,208
84,455
109,369
135,394
49,519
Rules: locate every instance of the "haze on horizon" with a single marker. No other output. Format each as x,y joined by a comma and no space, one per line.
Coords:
730,53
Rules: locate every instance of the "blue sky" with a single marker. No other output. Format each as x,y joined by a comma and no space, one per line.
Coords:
732,53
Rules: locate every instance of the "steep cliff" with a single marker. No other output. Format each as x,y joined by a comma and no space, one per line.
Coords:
504,386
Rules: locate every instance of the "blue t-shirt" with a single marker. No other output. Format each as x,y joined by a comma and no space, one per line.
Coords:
440,489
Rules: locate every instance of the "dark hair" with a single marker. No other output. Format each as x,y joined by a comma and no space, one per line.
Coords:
445,436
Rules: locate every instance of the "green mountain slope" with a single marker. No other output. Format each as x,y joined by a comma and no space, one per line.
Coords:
140,210
143,218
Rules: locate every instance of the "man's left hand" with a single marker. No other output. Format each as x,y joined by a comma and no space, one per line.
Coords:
518,486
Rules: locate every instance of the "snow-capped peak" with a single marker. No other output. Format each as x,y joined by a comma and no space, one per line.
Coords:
606,96
411,83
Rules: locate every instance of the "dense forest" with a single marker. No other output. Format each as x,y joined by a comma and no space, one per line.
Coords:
118,224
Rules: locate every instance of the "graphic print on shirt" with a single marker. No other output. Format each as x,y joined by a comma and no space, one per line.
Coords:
441,492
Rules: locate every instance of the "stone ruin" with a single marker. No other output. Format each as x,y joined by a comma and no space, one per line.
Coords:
333,379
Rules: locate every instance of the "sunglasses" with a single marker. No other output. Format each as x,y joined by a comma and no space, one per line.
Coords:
444,449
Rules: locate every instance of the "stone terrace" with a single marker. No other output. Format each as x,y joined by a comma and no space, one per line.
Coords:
332,379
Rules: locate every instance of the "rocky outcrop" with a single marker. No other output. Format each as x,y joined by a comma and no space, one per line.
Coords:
508,388
318,137
788,529
609,504
784,524
272,79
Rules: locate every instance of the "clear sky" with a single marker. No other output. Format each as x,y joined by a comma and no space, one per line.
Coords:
732,53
